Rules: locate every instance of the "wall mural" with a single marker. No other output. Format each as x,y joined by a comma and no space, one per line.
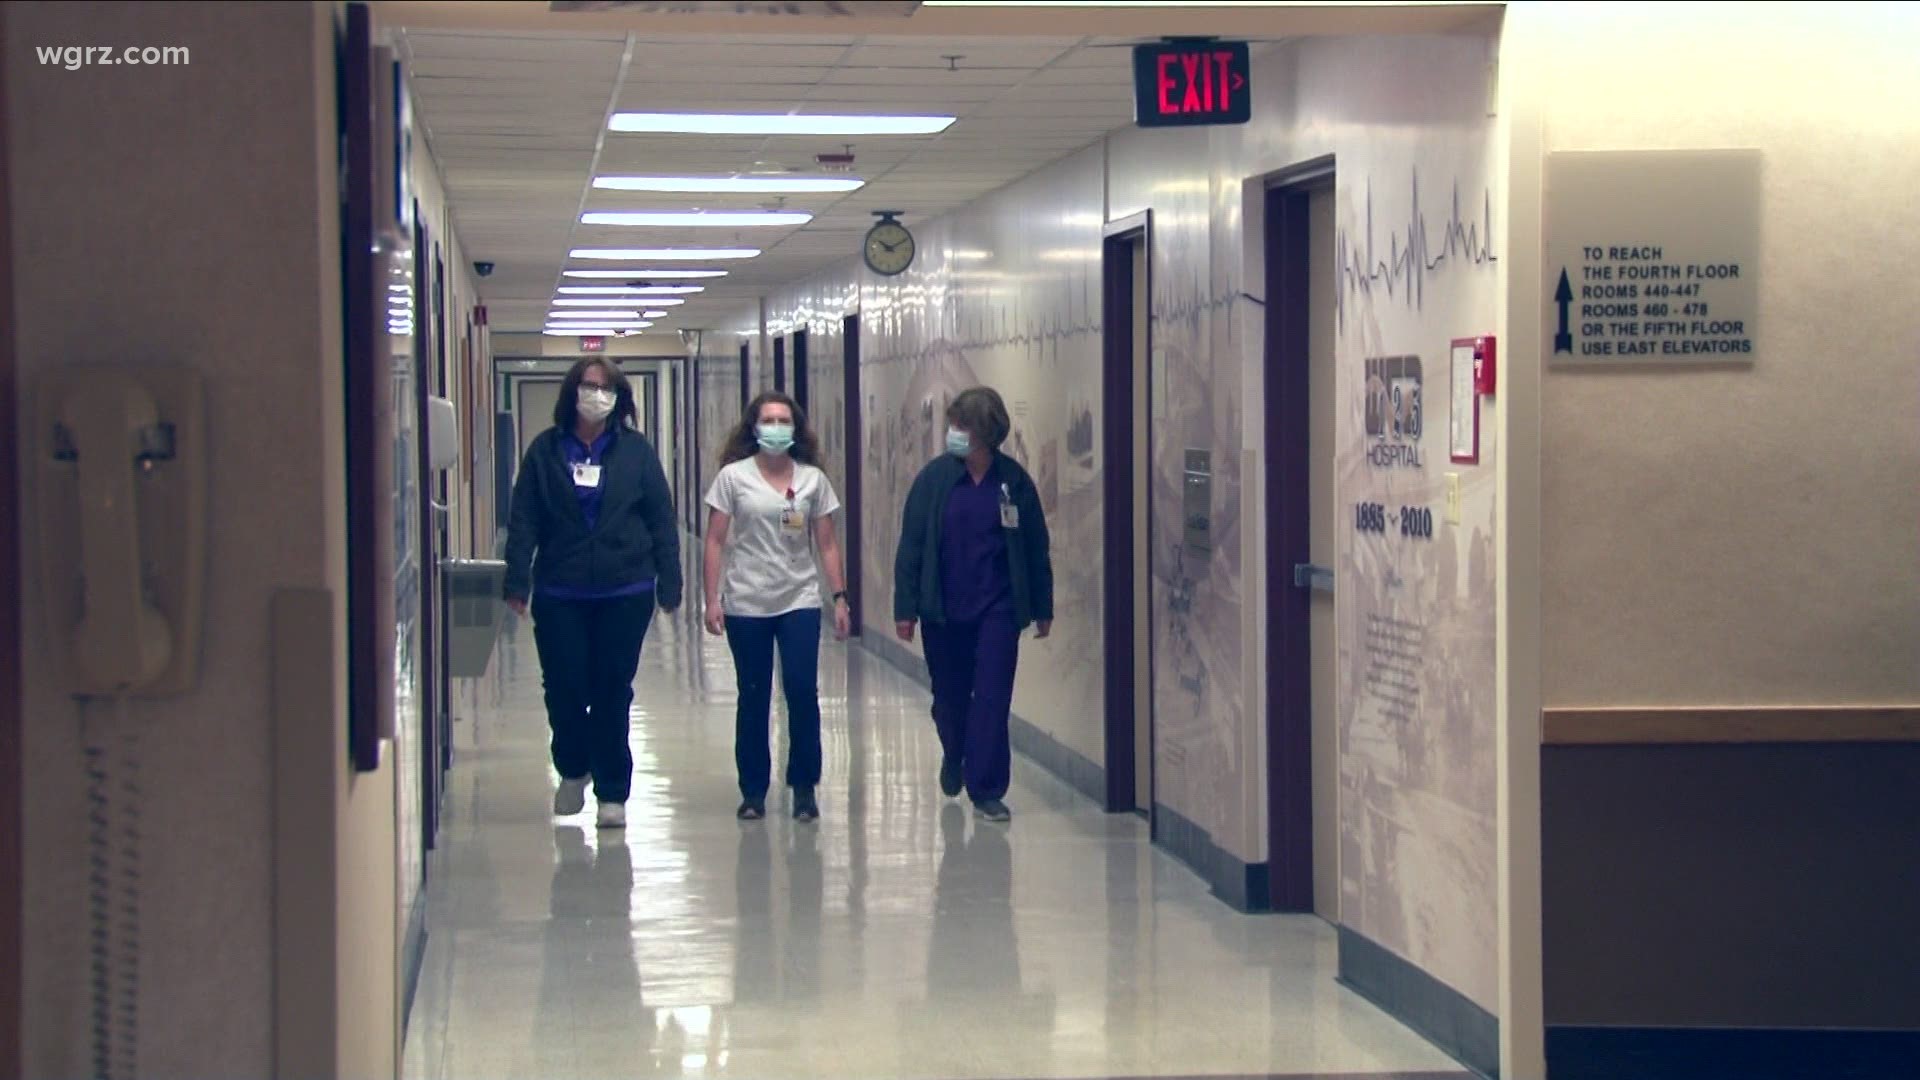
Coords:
1007,294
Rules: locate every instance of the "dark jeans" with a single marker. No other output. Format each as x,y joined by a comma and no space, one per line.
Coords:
972,666
797,635
589,651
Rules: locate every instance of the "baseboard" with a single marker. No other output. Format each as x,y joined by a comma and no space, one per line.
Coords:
413,955
1577,1052
1446,1017
1242,885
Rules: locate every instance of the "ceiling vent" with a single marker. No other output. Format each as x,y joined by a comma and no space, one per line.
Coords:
840,162
818,8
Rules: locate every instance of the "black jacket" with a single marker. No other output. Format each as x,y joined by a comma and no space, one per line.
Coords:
916,566
635,537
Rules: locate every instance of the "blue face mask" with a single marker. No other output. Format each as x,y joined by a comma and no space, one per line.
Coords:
959,443
774,438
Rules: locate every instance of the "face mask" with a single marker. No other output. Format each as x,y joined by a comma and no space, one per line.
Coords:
959,443
595,404
774,438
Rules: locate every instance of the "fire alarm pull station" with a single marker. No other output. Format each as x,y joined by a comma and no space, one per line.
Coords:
1483,352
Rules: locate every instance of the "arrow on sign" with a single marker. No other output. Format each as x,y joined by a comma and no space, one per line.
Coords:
1563,341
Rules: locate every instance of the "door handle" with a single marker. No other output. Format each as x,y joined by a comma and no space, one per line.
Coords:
1309,576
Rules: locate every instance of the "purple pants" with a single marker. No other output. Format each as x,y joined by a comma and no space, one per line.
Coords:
972,667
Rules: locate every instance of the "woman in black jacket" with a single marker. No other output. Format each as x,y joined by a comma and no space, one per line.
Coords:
592,546
974,565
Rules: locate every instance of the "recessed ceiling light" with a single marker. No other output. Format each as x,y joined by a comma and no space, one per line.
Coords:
599,314
775,124
630,290
663,254
730,184
635,275
728,219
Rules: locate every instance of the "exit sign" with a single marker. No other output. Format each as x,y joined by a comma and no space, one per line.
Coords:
593,344
1189,83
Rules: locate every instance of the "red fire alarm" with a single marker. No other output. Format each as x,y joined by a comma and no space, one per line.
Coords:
1483,352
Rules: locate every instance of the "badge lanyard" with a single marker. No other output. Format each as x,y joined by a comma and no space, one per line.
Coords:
790,519
586,473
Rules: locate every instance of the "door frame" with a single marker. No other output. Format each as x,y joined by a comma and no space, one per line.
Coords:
780,363
851,498
800,387
746,378
1287,465
1120,609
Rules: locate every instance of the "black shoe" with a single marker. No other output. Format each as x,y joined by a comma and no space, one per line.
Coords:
951,779
751,810
992,810
804,806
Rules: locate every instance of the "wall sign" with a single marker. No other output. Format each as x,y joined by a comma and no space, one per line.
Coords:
1652,256
1393,412
1191,83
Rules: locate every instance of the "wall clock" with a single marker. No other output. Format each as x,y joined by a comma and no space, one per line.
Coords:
889,246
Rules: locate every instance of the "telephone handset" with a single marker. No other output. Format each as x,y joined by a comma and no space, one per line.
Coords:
121,503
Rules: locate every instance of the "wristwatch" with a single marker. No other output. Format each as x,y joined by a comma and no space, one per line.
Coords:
839,596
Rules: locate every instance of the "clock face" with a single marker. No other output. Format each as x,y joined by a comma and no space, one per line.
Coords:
889,248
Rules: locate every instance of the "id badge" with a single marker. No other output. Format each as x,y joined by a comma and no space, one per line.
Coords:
586,476
792,522
1009,516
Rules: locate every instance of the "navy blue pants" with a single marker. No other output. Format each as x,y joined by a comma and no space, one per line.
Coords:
589,651
972,667
797,635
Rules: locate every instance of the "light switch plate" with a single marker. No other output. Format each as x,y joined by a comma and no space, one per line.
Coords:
1453,498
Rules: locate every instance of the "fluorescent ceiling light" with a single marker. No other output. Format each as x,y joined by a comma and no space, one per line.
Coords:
729,219
729,184
775,124
590,331
653,314
571,302
630,290
590,327
663,254
593,314
634,275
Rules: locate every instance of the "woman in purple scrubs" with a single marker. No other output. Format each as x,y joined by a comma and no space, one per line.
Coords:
974,566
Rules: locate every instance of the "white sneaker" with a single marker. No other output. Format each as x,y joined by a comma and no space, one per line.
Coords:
613,815
570,797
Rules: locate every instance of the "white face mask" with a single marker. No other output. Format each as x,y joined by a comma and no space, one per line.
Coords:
595,403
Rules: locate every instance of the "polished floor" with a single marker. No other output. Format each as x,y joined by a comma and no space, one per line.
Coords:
898,937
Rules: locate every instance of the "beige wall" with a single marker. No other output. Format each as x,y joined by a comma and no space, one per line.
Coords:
1745,535
228,236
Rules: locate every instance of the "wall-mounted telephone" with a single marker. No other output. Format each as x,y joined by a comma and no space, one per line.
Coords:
120,500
